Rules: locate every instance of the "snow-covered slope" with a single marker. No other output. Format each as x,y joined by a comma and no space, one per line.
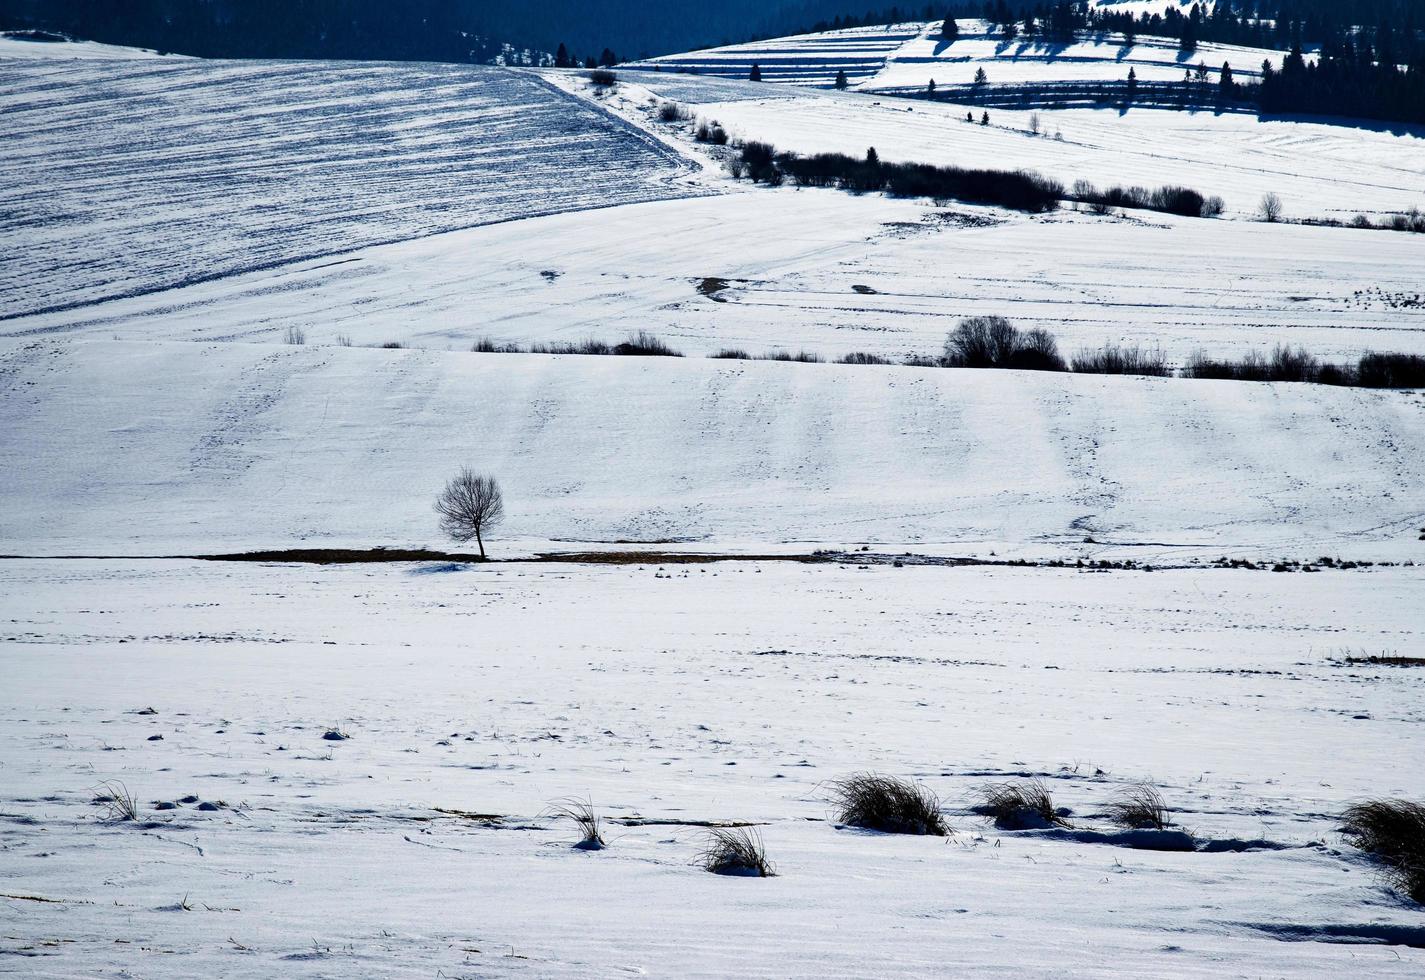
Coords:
197,448
805,59
816,270
899,56
122,177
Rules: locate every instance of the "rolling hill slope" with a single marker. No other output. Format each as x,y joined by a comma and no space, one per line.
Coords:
158,173
201,448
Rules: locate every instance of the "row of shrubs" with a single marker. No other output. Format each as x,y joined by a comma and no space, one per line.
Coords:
1411,221
1169,199
994,342
641,344
1019,190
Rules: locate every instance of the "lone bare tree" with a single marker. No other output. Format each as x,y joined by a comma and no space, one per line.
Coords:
469,506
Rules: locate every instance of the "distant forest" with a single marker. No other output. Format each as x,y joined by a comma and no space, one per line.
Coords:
436,30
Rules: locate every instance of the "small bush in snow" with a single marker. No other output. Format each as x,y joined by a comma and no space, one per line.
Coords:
1271,209
296,336
603,78
860,357
736,852
644,344
1139,807
591,836
888,804
1394,831
1025,805
993,342
732,354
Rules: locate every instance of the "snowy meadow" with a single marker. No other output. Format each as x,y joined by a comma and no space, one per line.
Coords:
808,645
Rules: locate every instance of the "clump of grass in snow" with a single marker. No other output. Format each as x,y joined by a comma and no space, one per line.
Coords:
1140,807
122,806
1025,805
590,826
1394,831
736,852
888,804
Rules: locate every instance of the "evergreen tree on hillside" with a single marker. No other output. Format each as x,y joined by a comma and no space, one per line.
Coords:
841,81
950,30
755,75
562,59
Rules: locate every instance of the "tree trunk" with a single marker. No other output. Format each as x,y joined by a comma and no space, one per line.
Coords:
481,542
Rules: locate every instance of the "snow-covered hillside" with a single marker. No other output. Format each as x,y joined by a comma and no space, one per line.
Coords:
141,448
817,270
909,56
124,177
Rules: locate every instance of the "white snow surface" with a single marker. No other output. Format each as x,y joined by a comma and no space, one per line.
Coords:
158,173
724,692
282,446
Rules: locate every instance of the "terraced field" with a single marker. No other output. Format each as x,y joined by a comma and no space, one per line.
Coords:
124,177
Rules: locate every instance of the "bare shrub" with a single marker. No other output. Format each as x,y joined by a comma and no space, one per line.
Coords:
1024,805
1036,124
393,345
1361,221
343,340
888,804
296,336
1271,209
1391,371
1213,207
644,344
738,852
801,356
732,354
603,78
860,357
1112,359
993,342
1394,831
671,112
469,506
1140,807
591,836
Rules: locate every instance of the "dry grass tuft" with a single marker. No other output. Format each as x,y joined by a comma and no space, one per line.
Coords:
122,807
591,832
1024,805
1394,831
737,852
888,804
1140,807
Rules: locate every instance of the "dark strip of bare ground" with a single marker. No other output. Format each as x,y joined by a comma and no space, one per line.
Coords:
364,556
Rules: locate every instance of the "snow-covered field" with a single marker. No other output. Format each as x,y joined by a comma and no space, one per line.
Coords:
678,695
125,177
164,222
280,446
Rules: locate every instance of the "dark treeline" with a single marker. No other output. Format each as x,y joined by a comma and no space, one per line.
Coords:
434,30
